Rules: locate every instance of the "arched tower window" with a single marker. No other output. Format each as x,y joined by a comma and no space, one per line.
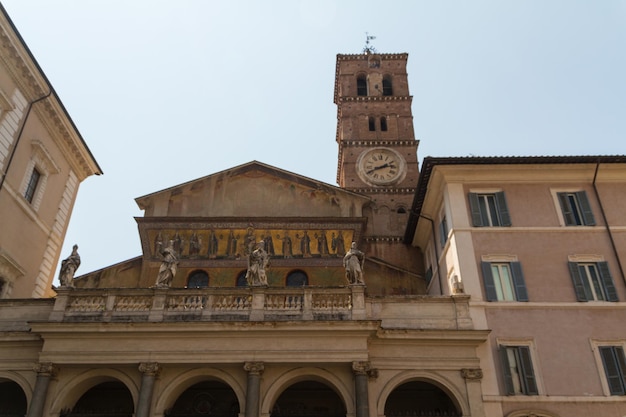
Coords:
383,124
372,123
361,85
387,89
198,279
297,279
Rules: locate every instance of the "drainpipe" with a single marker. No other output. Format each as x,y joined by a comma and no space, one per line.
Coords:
19,136
432,226
608,229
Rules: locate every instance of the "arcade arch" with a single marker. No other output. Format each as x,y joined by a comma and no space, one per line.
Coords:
13,401
198,380
420,394
74,389
300,381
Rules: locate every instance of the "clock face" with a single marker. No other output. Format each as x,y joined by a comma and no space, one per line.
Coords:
381,166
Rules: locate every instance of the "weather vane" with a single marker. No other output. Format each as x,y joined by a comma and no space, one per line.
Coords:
369,49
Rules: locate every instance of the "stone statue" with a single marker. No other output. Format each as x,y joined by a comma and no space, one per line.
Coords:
353,262
168,267
258,261
69,267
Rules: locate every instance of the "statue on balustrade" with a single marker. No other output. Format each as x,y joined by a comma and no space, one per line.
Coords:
169,266
258,261
69,267
353,262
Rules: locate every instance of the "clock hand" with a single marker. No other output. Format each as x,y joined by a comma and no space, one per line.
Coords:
377,168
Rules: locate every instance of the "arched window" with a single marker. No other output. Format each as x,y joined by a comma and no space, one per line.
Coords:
387,89
241,279
372,123
383,124
297,279
198,279
361,85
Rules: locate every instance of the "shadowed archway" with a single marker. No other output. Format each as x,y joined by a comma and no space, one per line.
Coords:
420,398
309,399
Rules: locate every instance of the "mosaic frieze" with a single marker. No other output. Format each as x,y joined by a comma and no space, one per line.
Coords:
236,243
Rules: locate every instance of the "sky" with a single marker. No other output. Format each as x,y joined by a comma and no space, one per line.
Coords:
165,92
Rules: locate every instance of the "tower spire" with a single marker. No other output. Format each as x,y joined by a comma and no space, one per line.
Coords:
369,49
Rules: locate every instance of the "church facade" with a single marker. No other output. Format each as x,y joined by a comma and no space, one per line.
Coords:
470,287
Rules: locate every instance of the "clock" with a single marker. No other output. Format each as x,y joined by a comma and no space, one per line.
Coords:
381,166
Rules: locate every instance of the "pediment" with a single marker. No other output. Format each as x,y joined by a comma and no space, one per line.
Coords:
253,190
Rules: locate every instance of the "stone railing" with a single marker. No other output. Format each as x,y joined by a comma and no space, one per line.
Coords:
216,304
260,304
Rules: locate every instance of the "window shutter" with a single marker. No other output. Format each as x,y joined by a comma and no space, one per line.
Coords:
585,207
528,375
566,208
607,282
503,209
490,287
477,219
577,280
509,388
518,282
613,364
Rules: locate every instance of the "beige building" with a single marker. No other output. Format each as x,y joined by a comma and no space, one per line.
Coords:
43,159
475,287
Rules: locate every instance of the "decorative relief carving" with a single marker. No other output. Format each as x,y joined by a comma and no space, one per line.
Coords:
472,373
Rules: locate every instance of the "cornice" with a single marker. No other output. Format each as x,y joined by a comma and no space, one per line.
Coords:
32,82
358,57
372,98
400,142
383,190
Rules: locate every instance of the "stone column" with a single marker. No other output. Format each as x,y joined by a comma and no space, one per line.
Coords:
150,371
362,372
253,390
45,372
472,377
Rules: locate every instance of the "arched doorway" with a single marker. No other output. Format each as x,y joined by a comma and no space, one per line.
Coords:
420,398
107,399
206,399
309,399
12,399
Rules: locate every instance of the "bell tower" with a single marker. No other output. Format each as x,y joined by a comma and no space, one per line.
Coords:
377,145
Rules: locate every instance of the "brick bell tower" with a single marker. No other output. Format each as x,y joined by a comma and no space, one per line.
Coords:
377,145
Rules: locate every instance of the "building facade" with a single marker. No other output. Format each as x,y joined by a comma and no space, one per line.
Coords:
43,160
470,287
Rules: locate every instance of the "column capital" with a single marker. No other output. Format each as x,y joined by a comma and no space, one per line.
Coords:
150,368
46,369
364,368
475,374
254,368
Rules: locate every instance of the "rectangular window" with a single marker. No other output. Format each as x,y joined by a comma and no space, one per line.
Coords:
489,209
576,209
615,368
592,281
504,281
519,377
443,232
29,194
